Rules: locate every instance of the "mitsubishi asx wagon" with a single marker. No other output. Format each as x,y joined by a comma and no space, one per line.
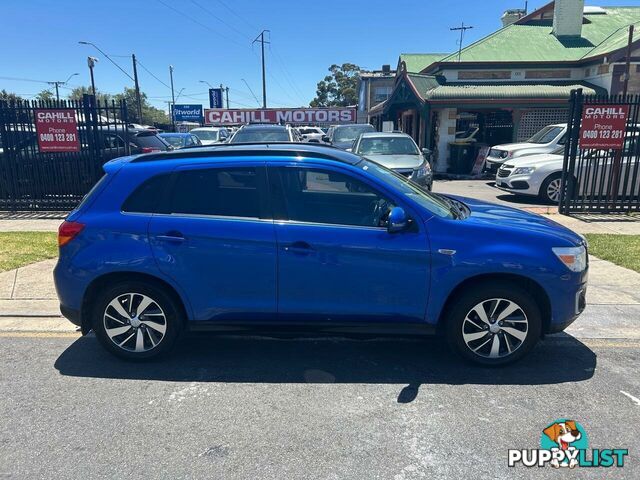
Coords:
303,238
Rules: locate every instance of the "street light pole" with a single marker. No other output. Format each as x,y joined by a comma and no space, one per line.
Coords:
57,85
91,61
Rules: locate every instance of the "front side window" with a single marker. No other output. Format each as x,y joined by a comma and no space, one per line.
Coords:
350,133
324,196
227,192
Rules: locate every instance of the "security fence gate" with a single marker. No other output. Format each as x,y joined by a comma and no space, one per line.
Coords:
52,169
598,176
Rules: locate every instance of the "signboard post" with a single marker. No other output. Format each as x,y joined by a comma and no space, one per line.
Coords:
57,130
215,98
187,113
603,126
338,115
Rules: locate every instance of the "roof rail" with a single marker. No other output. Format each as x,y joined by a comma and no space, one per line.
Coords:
287,149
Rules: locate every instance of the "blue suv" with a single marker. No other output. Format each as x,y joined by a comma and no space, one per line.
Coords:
297,237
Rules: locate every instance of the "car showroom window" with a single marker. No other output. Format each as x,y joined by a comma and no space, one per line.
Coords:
226,192
323,196
144,199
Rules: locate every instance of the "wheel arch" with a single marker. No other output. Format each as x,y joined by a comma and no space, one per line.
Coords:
103,281
527,284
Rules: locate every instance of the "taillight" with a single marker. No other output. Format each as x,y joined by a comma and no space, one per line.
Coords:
150,149
68,231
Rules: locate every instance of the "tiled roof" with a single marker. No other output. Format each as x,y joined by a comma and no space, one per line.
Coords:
416,62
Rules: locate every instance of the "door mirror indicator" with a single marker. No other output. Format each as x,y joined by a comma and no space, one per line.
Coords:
398,220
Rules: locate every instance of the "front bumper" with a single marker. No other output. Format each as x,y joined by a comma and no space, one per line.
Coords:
525,184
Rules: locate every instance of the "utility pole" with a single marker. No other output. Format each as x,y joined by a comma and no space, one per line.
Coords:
264,81
226,91
57,85
137,86
91,61
173,98
627,68
463,28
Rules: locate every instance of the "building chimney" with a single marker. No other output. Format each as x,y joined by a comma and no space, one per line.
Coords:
512,15
567,18
386,68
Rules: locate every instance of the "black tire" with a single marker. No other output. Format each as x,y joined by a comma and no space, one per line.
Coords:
544,188
511,348
163,312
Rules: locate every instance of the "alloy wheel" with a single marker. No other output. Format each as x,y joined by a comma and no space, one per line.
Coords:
135,322
553,190
495,328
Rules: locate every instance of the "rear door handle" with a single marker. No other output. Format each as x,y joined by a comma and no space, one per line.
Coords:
175,237
301,248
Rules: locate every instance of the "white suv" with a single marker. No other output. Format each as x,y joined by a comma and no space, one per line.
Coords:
545,141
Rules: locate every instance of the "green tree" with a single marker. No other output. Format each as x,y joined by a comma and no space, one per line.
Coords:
46,96
150,114
78,92
338,89
10,97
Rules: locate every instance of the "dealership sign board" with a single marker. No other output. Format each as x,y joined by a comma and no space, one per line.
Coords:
187,113
57,130
603,126
216,116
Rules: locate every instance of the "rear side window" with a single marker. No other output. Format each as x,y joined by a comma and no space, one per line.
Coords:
151,141
226,192
147,197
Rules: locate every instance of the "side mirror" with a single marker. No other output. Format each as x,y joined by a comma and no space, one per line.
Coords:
325,138
426,152
398,220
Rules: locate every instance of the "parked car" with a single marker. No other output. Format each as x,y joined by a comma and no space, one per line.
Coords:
311,134
261,133
248,238
140,140
541,175
398,152
211,135
545,141
181,140
343,136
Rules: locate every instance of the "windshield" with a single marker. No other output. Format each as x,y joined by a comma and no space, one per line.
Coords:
206,134
261,135
350,133
387,146
546,135
401,184
174,141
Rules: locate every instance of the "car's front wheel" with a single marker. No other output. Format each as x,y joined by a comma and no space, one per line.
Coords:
136,321
494,325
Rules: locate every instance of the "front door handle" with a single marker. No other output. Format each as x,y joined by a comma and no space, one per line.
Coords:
301,248
173,236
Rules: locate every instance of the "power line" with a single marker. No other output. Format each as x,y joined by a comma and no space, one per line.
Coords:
242,34
233,12
286,75
197,22
150,73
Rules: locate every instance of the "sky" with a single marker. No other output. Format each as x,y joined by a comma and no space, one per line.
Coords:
211,40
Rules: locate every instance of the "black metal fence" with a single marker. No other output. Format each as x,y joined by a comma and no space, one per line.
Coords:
31,179
601,180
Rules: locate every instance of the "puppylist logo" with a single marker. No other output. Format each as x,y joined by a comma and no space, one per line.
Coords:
564,443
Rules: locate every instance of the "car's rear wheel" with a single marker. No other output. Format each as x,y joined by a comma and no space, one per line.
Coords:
550,188
136,321
494,325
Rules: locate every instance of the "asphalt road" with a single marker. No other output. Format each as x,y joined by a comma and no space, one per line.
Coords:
225,407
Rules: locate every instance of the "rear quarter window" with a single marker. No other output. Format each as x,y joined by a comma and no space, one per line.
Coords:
147,197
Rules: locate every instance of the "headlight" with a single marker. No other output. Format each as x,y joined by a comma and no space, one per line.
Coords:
575,258
423,171
523,170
